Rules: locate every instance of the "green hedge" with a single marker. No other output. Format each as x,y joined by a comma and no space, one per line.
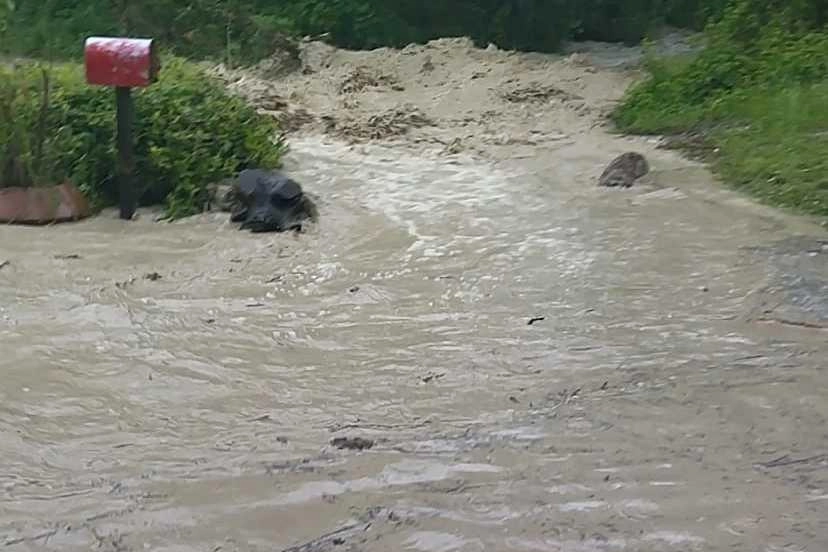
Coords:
189,133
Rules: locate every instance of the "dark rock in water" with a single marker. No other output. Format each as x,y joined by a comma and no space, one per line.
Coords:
268,201
352,443
624,170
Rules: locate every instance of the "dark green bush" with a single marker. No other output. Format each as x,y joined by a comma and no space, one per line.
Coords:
189,133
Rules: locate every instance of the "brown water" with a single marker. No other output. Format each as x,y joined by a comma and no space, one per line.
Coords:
650,409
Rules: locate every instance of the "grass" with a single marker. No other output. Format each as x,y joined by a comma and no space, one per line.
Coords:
770,141
777,146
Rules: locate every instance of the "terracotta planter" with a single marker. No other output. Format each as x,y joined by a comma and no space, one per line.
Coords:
42,205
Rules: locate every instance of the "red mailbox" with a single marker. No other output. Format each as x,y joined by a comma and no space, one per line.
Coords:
121,62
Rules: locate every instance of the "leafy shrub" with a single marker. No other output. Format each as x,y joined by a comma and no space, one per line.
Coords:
25,158
188,134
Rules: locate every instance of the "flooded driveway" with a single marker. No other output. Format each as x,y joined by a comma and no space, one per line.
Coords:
540,365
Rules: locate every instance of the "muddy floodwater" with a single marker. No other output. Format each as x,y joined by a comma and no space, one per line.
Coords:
540,364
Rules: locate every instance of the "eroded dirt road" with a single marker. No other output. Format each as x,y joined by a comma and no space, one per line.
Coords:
542,365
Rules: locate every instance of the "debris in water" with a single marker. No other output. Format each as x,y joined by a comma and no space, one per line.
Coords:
4,264
386,124
113,541
364,77
428,378
352,443
786,460
68,256
454,147
124,284
536,92
428,65
533,321
152,276
354,289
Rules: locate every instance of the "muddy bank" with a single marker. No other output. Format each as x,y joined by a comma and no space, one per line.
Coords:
187,386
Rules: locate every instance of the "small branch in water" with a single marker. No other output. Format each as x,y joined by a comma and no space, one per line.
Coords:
46,535
337,537
795,323
533,321
357,425
328,538
786,460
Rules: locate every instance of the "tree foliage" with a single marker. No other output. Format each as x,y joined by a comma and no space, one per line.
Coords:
247,29
753,43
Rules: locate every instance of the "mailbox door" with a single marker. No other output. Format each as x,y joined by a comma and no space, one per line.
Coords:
120,62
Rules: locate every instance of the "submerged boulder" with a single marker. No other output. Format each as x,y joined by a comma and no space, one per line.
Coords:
264,201
624,170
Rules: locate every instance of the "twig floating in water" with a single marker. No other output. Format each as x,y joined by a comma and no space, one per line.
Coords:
536,319
358,425
786,460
